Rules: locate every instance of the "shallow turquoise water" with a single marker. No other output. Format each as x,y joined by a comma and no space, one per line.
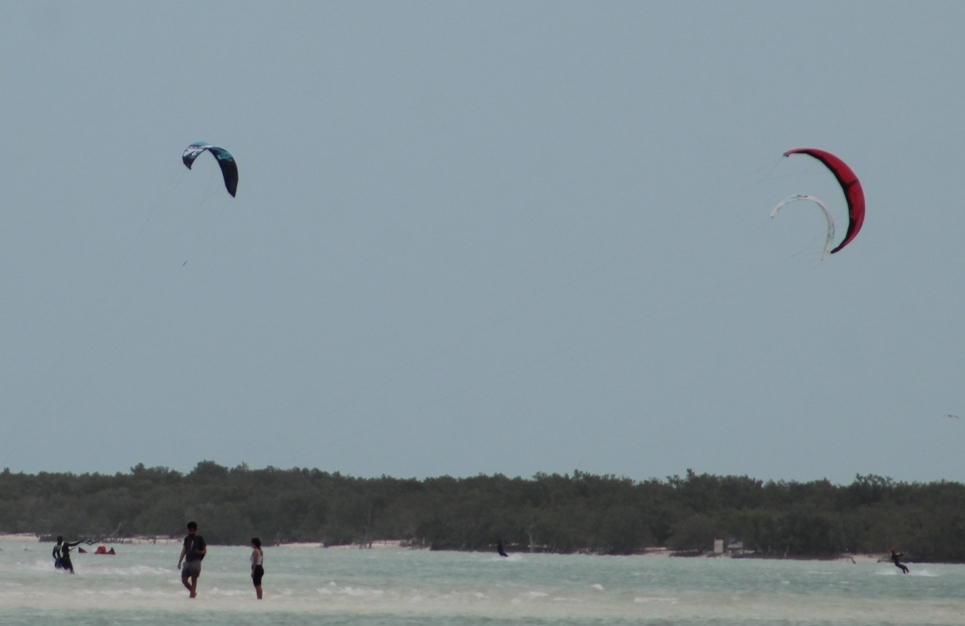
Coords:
310,585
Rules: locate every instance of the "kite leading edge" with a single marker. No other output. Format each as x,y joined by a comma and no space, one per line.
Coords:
229,169
849,185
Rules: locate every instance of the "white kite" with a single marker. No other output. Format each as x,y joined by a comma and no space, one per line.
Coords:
827,214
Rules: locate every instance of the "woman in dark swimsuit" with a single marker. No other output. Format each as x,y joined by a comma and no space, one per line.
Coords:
257,565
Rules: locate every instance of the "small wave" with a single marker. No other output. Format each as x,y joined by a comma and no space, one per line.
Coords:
333,589
529,595
913,572
37,566
655,600
512,558
117,593
215,591
597,586
357,591
134,570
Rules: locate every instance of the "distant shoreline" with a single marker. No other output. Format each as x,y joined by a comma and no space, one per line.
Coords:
564,514
399,544
34,538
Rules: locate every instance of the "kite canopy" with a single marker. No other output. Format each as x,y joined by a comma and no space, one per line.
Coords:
849,185
229,169
827,214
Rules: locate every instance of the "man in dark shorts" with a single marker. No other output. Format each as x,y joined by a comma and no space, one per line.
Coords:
193,551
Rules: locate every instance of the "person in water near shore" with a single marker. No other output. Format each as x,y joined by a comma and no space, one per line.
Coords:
61,554
56,552
895,556
499,548
193,551
257,563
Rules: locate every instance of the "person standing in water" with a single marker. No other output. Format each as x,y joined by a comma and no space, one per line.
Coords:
193,551
895,556
257,565
56,552
61,554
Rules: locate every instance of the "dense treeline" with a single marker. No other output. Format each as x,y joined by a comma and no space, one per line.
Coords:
568,513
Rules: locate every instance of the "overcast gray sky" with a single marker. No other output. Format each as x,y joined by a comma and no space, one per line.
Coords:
482,237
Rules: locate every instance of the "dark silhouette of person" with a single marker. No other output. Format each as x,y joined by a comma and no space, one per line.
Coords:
895,556
499,548
195,547
56,552
257,565
61,554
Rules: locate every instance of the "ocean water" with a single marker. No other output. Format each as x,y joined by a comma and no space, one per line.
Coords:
346,586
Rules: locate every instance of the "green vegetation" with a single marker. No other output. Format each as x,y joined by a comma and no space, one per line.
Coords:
568,513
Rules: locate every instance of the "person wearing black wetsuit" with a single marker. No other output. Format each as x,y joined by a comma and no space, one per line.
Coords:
499,548
61,554
894,557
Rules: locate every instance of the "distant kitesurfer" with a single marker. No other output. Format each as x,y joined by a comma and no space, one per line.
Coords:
499,548
61,554
895,556
257,563
193,551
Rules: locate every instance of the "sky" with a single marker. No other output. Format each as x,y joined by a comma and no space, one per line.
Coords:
500,237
